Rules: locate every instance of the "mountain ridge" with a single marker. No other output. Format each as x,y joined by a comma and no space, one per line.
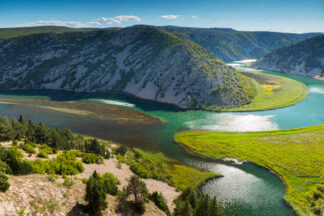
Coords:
144,61
304,58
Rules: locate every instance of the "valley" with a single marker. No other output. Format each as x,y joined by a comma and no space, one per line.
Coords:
187,118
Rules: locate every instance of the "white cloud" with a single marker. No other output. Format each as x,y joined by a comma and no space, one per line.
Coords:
118,19
170,16
194,17
74,24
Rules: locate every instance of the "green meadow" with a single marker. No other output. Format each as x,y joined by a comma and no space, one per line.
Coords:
295,155
272,92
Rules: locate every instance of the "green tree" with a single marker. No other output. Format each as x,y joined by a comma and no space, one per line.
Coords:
96,195
4,184
202,208
6,131
42,133
137,189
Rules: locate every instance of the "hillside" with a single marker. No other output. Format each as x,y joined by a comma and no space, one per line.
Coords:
305,58
143,61
229,45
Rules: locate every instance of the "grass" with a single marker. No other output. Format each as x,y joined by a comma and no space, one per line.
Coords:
160,167
273,92
296,155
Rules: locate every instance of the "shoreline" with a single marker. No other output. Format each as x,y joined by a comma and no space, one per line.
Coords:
189,151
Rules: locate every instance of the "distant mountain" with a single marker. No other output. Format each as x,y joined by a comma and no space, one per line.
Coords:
229,45
304,58
6,33
144,61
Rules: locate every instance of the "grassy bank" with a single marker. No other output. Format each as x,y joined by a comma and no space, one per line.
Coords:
296,155
273,92
160,167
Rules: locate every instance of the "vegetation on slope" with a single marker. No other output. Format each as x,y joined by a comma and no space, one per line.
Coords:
272,92
158,166
296,155
230,45
304,58
141,60
7,33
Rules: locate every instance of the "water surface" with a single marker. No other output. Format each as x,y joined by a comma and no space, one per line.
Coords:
247,188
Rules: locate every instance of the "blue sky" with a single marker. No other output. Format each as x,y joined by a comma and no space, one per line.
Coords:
270,15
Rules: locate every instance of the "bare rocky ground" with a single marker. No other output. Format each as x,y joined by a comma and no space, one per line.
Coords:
36,195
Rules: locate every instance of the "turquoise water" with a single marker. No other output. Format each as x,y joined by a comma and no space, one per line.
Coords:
247,188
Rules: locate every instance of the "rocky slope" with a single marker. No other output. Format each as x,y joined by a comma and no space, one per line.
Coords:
304,58
141,60
230,45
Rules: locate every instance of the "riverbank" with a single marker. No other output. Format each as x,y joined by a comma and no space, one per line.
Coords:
295,155
272,92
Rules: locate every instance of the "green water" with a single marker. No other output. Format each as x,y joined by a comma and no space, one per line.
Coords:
247,188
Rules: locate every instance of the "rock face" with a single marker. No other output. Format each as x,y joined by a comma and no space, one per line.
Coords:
230,45
144,61
305,58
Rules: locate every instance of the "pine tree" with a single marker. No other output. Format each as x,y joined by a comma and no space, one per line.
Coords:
187,209
42,133
202,208
193,199
96,195
138,190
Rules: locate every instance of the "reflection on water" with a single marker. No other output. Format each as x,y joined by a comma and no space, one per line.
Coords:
316,90
249,189
114,102
234,122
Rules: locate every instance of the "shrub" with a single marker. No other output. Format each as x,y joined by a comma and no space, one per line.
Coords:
52,178
64,164
42,154
68,182
45,148
110,183
16,152
29,149
96,194
160,202
18,166
4,184
122,150
90,158
4,167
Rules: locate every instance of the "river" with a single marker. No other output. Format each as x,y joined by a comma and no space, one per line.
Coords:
251,190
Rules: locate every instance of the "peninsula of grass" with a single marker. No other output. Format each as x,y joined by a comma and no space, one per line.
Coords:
158,166
295,155
272,92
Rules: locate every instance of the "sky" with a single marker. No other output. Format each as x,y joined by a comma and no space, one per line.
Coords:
251,15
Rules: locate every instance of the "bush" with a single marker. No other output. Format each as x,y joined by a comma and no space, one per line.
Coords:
4,184
64,164
68,182
90,158
160,202
42,154
45,148
18,166
29,149
16,152
4,167
96,194
110,183
122,150
52,178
